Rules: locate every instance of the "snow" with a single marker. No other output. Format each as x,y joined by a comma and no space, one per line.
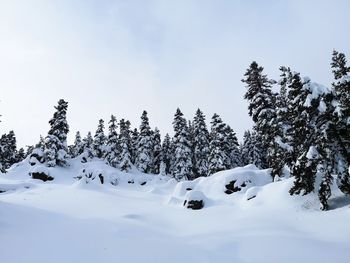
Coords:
316,90
69,220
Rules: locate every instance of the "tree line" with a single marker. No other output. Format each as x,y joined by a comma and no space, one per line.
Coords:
300,127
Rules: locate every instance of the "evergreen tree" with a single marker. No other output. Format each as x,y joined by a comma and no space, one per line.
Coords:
342,132
200,145
37,154
167,154
87,145
218,149
182,162
99,144
232,150
8,150
124,139
56,150
134,145
144,160
298,112
113,147
251,149
77,147
157,151
278,151
261,104
21,155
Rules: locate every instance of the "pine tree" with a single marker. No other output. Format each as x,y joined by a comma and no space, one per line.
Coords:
232,149
261,103
297,111
124,139
99,144
278,151
8,150
113,147
157,151
200,145
316,146
167,154
182,162
251,149
87,145
37,154
134,143
144,160
77,147
342,133
218,149
21,155
56,150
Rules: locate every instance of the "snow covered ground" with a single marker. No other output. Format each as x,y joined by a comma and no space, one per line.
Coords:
141,218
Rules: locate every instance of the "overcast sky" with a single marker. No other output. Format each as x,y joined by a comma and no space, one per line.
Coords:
121,57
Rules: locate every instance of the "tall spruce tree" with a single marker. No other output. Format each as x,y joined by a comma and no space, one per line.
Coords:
113,147
87,145
56,150
134,144
200,145
182,161
157,151
218,149
251,149
341,87
77,147
167,154
99,144
125,145
144,157
232,149
261,104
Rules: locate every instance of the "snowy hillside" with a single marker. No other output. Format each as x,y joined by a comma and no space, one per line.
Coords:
135,217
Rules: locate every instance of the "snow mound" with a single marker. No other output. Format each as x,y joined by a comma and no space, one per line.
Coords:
195,200
218,187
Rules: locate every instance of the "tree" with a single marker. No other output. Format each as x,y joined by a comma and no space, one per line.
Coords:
21,155
157,151
218,154
56,150
124,138
99,144
167,154
232,150
134,144
342,133
182,163
113,147
200,145
37,153
144,160
251,149
261,103
87,145
77,147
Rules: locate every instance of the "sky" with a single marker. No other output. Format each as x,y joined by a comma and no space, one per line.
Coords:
122,57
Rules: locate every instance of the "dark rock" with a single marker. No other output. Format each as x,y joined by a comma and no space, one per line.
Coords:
101,178
194,204
41,176
231,188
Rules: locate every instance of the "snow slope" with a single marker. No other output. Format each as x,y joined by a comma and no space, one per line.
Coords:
71,220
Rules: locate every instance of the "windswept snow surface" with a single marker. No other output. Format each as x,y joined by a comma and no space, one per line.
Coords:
141,218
